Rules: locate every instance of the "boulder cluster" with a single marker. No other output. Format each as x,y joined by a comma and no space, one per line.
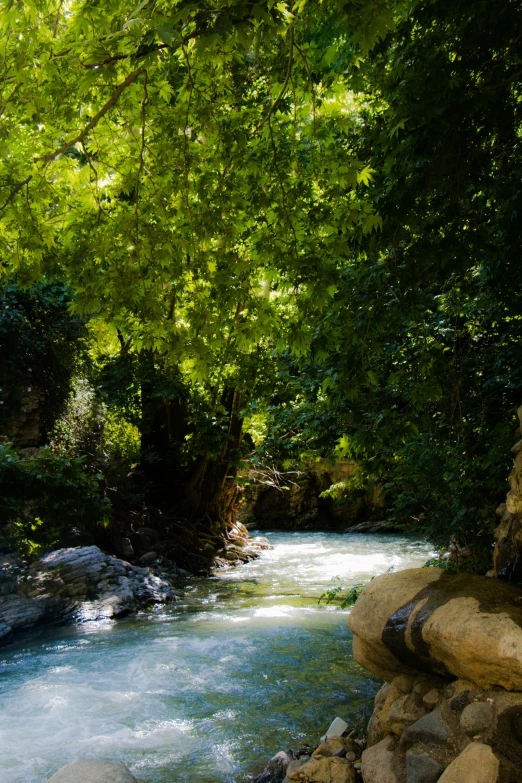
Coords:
450,649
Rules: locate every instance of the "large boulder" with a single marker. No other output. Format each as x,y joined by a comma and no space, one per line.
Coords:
453,625
75,583
93,771
476,764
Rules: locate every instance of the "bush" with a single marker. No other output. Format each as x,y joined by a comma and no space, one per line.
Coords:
45,494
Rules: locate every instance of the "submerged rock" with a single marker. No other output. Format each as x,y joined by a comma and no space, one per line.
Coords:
93,771
450,624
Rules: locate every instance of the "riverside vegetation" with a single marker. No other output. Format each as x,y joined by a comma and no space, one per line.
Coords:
238,239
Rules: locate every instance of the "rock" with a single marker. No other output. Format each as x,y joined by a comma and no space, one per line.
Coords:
93,771
377,763
278,765
17,613
79,583
452,624
376,730
476,764
421,768
324,770
432,728
430,699
147,558
404,683
329,747
420,689
295,765
74,538
477,718
123,546
402,713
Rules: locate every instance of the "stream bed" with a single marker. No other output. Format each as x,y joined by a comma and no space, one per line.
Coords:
205,690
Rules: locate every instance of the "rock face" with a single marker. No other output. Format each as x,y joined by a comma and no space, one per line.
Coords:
454,625
508,535
472,735
93,771
299,506
80,583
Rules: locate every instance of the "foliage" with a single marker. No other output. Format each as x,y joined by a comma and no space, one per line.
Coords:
414,370
44,495
347,597
41,346
305,214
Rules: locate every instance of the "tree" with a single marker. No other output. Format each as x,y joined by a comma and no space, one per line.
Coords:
416,365
188,170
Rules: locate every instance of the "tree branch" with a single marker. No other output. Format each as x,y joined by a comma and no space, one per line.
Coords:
285,85
14,191
95,120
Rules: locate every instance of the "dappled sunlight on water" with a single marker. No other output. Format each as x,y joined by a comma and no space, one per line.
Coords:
206,690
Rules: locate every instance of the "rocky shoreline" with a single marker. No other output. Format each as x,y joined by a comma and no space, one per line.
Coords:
76,584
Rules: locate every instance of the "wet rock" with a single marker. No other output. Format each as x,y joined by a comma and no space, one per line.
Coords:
477,718
324,770
458,625
421,768
377,763
278,765
476,764
93,771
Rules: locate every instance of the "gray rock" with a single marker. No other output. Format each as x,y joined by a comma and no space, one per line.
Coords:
123,546
477,718
430,728
148,557
93,771
421,768
80,583
278,765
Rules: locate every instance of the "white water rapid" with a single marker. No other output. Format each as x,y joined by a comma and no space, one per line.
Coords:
208,689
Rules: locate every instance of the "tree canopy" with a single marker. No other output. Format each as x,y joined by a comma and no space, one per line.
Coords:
307,211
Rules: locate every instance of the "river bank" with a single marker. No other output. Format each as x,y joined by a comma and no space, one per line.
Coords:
207,688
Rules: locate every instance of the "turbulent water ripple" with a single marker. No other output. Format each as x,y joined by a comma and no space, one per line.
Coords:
206,690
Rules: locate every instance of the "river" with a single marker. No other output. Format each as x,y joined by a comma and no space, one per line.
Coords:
207,689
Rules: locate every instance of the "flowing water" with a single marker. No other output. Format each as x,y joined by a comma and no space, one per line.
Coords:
206,690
